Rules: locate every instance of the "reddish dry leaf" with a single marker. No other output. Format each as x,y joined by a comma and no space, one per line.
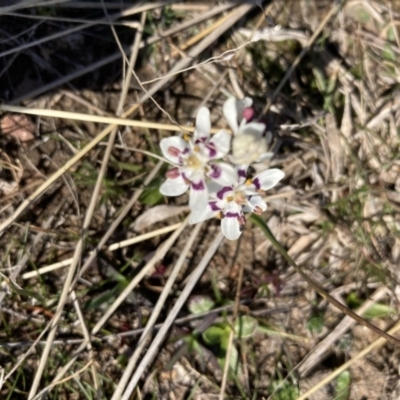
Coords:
18,126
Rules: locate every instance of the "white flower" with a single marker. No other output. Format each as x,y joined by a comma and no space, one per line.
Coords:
249,142
194,160
230,202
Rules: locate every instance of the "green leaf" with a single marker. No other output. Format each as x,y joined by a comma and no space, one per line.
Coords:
378,310
284,391
320,79
245,326
214,334
259,221
390,34
233,357
388,53
343,386
200,304
224,342
105,297
361,14
151,194
315,324
215,288
126,166
353,300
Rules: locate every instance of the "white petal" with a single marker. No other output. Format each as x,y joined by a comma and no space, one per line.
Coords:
174,187
268,179
240,106
198,195
247,148
256,201
203,124
201,214
213,188
230,113
247,102
252,128
173,141
230,228
193,174
224,174
222,143
265,156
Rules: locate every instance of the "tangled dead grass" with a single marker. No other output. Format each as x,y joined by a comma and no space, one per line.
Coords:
93,257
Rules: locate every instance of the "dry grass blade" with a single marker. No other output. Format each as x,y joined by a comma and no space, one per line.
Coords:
322,292
117,55
92,118
144,338
52,37
160,254
151,352
320,351
88,217
376,344
178,67
30,3
86,334
330,70
112,247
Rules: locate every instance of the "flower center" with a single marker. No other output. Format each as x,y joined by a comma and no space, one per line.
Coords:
194,162
240,198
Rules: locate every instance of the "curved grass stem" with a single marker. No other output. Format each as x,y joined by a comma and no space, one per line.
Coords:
317,287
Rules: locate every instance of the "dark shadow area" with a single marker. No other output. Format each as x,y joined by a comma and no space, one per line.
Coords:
43,48
70,44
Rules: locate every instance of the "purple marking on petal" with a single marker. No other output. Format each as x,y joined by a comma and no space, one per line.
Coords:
186,150
241,219
256,183
198,186
173,151
242,173
173,173
201,139
216,171
231,214
221,193
211,151
213,206
185,178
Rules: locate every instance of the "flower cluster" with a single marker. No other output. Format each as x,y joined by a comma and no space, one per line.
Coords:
220,188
